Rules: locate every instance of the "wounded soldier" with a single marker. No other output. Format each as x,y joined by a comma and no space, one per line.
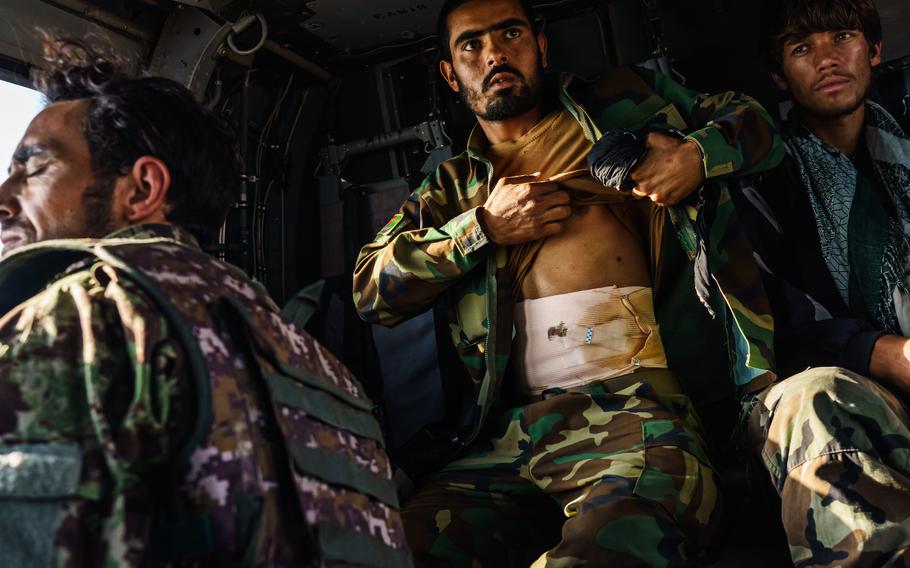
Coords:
572,304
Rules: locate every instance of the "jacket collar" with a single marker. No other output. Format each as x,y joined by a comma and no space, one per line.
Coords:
156,231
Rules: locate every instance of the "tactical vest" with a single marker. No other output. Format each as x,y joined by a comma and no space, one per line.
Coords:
262,388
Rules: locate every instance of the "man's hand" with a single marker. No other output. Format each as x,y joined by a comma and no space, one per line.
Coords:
672,169
891,361
521,209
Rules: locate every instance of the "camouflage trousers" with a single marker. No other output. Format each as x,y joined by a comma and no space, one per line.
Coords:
598,478
837,446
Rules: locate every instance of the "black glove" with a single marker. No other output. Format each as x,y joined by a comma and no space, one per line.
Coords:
613,158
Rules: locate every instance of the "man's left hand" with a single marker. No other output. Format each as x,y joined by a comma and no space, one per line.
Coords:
671,171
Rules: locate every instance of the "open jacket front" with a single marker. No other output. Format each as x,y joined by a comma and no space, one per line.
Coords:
434,252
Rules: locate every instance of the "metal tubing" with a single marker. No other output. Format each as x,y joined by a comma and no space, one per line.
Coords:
381,141
98,15
297,60
247,262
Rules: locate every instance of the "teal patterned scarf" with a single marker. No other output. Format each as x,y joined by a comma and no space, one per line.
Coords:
830,179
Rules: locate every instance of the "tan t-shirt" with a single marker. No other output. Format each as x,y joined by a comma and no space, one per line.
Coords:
556,146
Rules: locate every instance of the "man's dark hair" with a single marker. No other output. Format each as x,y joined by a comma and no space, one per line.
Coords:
130,117
449,6
790,20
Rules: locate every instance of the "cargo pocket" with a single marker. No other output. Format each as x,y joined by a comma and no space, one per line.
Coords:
678,476
37,482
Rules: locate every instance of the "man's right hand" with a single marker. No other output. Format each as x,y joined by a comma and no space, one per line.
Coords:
521,209
891,361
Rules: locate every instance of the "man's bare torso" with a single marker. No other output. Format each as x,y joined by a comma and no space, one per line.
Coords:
594,249
603,243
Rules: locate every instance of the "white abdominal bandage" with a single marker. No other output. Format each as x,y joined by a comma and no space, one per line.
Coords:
573,339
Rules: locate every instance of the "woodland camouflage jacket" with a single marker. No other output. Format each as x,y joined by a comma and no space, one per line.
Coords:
434,252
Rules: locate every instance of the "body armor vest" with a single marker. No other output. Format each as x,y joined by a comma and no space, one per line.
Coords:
284,463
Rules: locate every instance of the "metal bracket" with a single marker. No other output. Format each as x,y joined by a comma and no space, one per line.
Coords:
210,5
188,49
432,133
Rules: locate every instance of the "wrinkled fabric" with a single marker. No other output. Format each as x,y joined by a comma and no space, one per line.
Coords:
830,180
627,470
837,448
613,158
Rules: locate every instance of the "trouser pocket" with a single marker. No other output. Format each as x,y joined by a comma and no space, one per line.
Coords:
678,476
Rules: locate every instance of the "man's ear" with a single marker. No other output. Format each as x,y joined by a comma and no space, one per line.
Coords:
876,54
542,45
448,73
144,199
780,81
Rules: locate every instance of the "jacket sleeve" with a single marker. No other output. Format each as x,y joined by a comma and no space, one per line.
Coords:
807,332
735,133
416,257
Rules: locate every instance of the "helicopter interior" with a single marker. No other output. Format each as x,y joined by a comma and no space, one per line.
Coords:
341,112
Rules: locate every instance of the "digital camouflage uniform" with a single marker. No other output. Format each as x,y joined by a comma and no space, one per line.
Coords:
155,409
628,466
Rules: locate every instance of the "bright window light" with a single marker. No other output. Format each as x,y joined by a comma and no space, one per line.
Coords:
18,105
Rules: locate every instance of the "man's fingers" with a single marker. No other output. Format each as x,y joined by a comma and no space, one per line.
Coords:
515,180
656,139
557,213
555,199
543,186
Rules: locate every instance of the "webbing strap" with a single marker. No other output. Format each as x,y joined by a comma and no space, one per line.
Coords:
344,545
338,469
181,541
323,407
293,371
328,466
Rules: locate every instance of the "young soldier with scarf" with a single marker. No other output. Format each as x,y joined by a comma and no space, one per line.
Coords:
831,228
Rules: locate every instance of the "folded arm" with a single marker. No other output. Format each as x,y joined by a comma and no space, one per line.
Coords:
728,134
735,134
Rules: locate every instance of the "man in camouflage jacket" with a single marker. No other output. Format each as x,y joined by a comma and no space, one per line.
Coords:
435,252
156,409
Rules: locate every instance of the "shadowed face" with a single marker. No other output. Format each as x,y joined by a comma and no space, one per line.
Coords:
829,74
51,191
497,61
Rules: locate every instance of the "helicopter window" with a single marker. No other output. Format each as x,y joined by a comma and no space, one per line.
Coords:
20,104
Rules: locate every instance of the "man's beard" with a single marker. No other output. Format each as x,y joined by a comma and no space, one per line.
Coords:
508,103
97,203
97,217
845,109
838,111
